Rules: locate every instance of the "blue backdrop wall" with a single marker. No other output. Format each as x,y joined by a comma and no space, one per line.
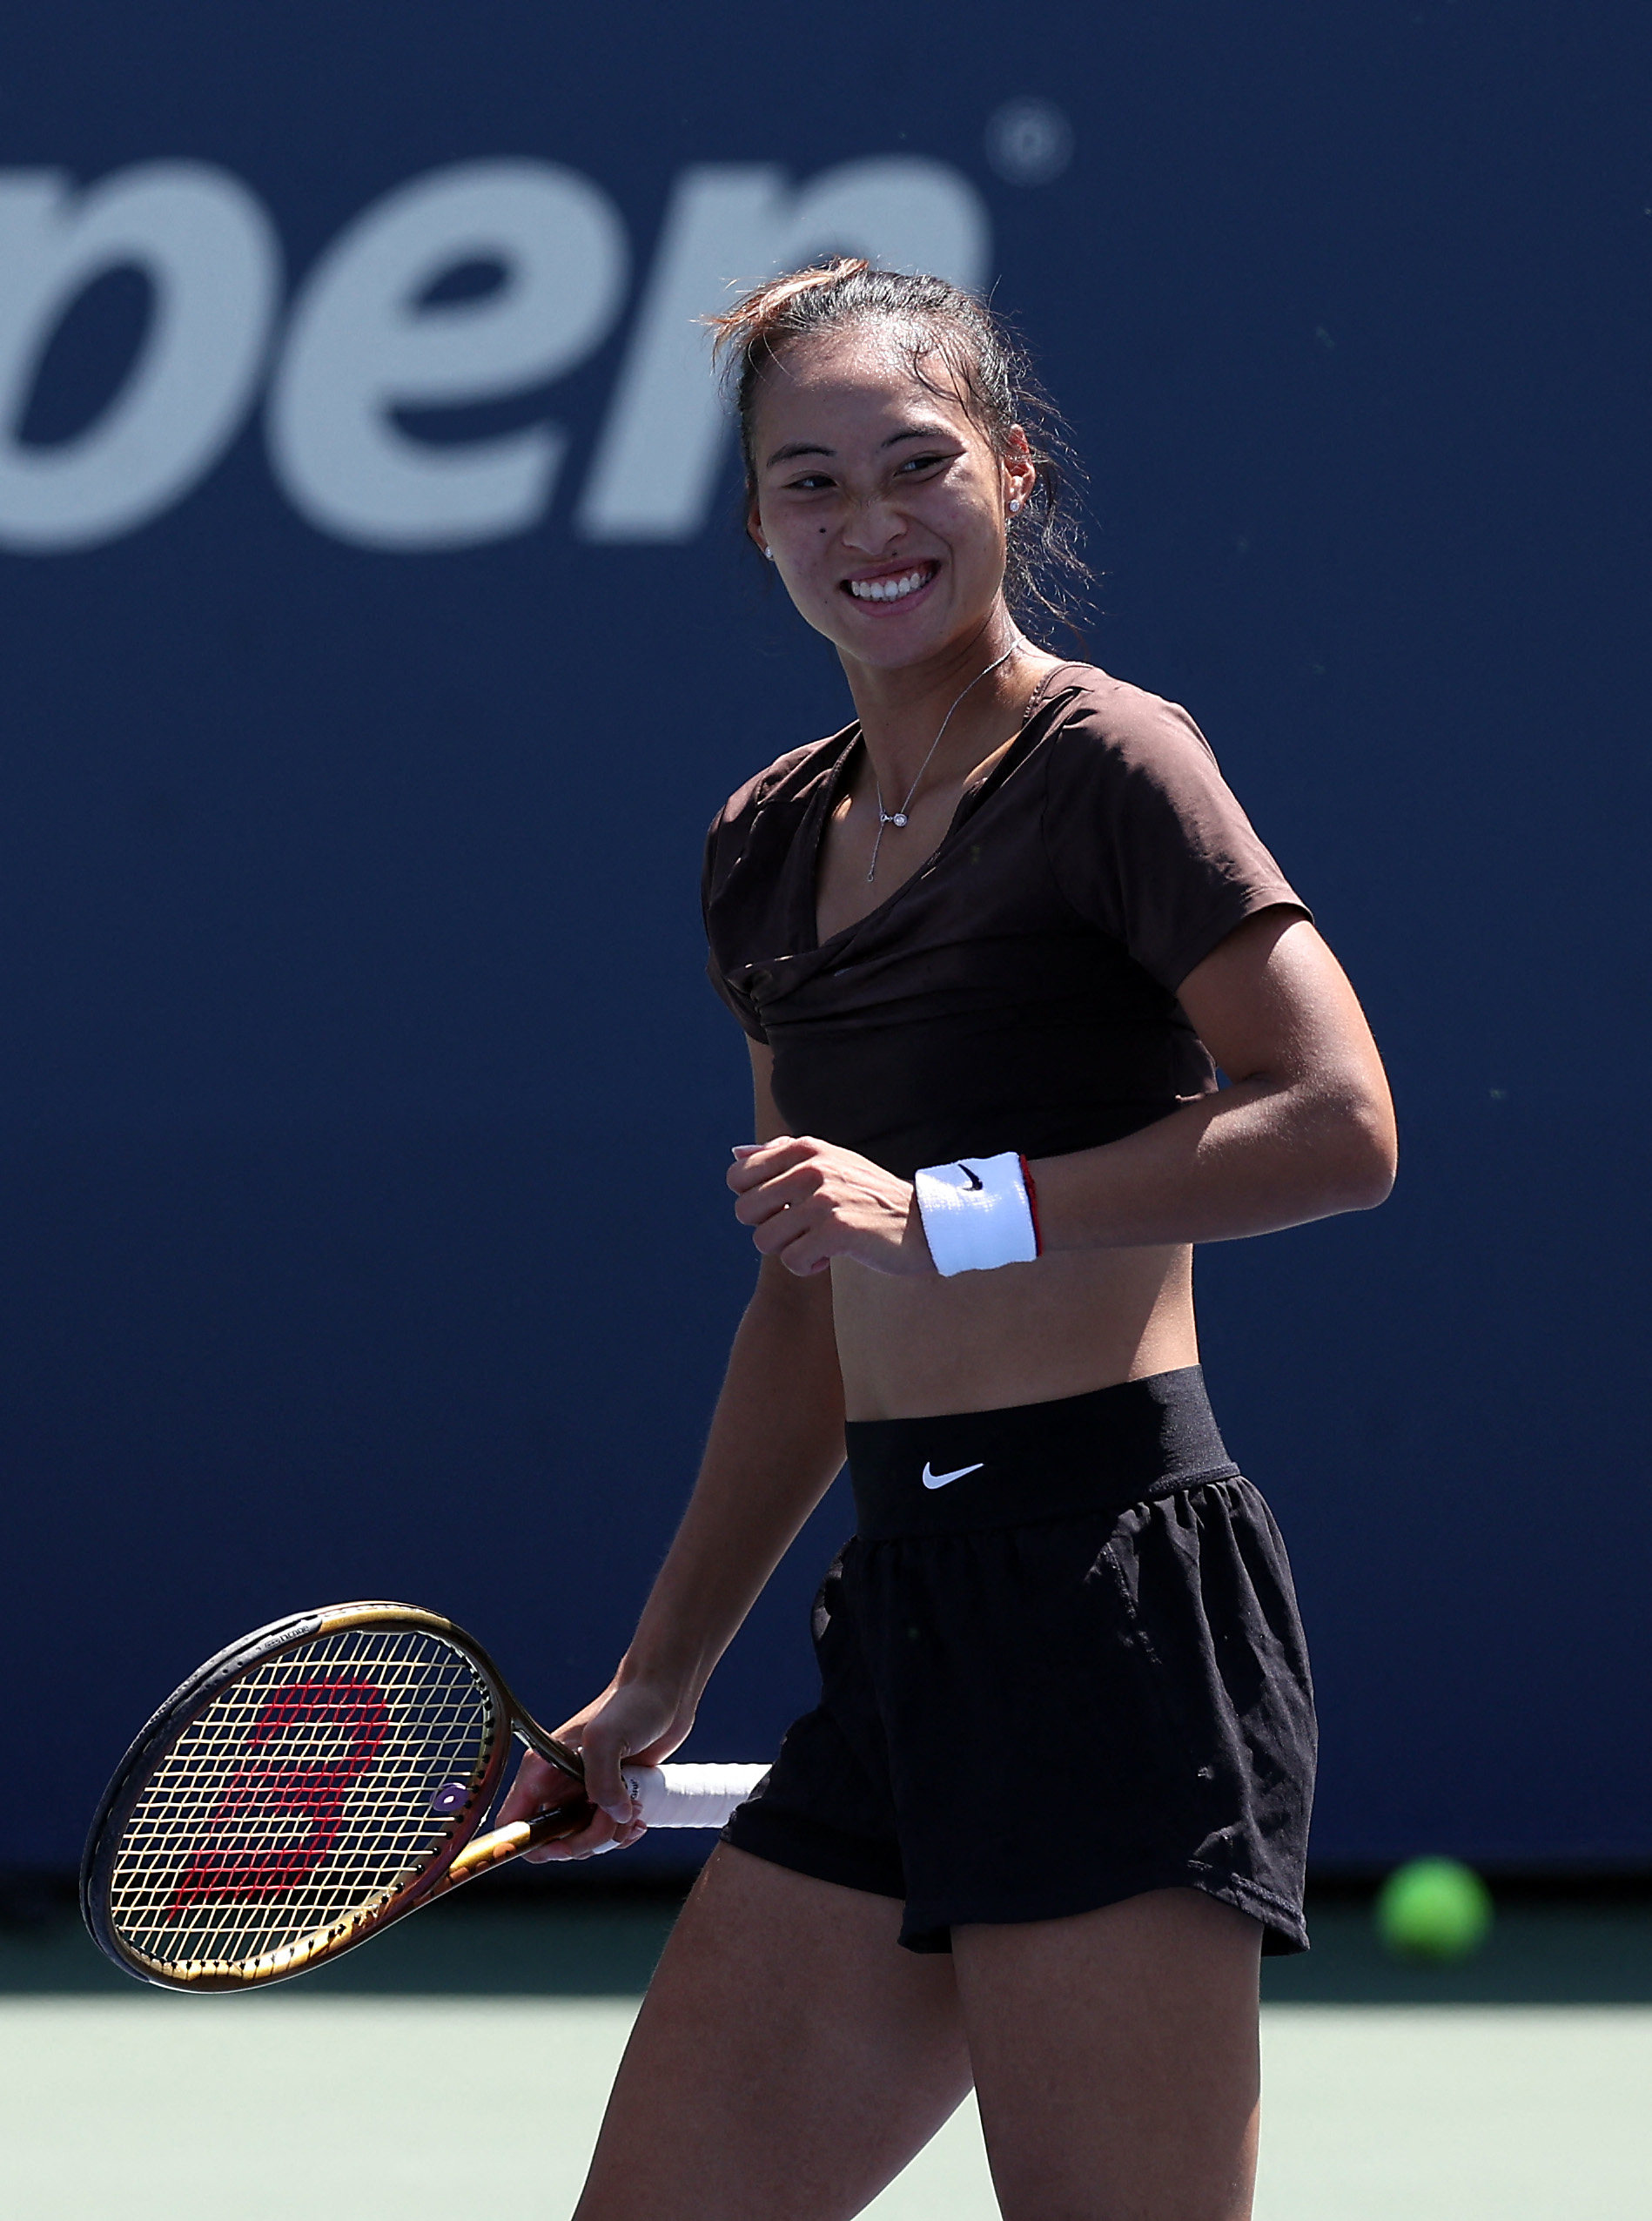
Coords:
379,639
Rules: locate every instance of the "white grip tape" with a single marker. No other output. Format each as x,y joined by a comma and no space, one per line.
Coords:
976,1214
690,1796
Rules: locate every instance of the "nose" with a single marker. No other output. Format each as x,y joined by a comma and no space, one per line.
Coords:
874,527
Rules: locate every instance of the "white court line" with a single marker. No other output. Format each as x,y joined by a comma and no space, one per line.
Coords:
161,2109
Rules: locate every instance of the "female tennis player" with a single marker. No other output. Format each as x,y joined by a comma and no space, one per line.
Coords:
990,943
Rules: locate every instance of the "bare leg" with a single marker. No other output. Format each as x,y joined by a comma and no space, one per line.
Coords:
789,2060
1115,2059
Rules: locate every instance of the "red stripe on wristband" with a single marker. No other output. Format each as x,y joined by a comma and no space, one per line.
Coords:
1032,1205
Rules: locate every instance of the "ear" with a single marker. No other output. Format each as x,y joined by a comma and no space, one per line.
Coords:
1020,472
754,526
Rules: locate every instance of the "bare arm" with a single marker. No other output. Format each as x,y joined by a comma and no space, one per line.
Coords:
1306,1130
776,1441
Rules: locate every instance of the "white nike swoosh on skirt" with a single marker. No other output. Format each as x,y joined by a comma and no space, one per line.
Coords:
939,1480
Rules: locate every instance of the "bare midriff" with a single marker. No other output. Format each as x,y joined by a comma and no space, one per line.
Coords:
1024,1334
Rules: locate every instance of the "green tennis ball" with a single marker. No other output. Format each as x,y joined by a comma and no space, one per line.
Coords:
1433,1909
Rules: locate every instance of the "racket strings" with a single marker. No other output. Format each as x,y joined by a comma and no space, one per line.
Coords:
305,1795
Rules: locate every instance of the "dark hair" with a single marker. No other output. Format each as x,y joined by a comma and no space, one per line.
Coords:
987,368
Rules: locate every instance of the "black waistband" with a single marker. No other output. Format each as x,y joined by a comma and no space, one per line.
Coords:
1098,1452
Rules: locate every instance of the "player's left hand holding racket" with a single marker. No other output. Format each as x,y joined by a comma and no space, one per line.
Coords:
321,1778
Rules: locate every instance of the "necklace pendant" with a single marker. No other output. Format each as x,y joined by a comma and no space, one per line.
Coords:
899,818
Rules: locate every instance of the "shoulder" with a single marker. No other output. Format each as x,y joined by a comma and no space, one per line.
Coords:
776,781
772,803
1104,727
789,779
1143,835
754,834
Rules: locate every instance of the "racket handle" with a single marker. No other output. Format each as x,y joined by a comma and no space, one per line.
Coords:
690,1796
669,1796
502,1843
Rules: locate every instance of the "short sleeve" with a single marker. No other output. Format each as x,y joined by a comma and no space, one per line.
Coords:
1143,836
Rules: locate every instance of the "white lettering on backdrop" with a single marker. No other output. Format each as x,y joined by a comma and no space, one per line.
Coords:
368,335
363,341
214,265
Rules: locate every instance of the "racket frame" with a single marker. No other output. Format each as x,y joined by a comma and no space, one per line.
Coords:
465,1853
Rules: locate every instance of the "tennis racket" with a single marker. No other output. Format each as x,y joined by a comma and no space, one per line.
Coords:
319,1778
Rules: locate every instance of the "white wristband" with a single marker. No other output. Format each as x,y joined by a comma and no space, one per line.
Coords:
978,1212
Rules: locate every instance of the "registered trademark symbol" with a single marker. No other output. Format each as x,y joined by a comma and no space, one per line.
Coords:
1028,141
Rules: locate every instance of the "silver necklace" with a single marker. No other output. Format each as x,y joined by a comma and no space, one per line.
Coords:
898,818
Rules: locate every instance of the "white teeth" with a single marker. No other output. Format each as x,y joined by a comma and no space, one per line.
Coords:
888,589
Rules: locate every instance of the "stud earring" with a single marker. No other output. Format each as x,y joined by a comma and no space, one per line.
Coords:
1015,505
769,554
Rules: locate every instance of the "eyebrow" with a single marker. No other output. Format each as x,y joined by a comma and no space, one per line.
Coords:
795,448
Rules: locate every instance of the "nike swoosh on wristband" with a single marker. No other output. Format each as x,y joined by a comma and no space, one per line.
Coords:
939,1480
975,1185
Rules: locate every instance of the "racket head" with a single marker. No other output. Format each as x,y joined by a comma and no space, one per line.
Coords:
302,1788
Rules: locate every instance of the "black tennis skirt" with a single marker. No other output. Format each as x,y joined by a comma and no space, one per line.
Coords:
1060,1665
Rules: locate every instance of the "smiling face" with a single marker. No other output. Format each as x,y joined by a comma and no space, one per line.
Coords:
882,500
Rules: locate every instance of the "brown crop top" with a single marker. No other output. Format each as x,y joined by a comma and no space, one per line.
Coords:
1019,991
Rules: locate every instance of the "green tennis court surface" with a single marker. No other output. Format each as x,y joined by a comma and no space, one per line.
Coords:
462,2062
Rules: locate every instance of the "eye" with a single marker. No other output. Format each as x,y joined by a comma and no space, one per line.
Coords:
811,482
916,465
